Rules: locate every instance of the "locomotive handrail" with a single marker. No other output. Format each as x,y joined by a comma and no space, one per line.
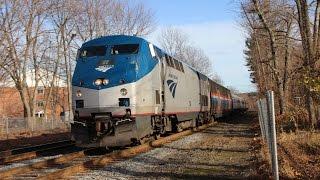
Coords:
84,124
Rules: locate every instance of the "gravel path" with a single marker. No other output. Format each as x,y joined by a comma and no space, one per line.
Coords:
220,151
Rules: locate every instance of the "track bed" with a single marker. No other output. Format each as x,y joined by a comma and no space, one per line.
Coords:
223,150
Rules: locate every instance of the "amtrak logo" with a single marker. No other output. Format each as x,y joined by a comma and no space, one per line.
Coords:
104,65
172,87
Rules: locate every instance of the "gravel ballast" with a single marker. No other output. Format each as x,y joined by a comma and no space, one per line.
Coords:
221,151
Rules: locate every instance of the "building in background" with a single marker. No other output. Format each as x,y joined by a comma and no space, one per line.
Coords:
12,106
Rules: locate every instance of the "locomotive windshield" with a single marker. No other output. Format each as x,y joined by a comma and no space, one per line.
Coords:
93,51
125,49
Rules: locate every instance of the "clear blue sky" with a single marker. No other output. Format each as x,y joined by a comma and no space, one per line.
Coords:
190,11
213,26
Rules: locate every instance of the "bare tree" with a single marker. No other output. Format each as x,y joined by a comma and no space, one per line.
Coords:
173,41
176,43
216,78
42,37
196,58
108,17
283,50
22,34
60,15
233,90
131,19
270,45
310,35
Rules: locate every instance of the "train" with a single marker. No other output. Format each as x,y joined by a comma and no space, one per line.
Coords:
125,90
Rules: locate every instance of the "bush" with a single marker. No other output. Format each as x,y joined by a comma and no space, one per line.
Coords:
294,118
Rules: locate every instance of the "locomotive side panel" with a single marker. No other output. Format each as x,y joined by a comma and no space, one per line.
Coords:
181,92
147,99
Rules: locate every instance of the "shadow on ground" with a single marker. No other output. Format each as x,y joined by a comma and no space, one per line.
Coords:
222,151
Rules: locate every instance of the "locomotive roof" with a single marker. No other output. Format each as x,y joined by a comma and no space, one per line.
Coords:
126,39
106,40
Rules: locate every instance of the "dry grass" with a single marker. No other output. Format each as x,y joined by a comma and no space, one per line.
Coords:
264,158
299,155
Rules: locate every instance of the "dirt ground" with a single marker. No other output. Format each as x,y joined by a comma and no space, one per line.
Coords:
225,150
39,138
299,155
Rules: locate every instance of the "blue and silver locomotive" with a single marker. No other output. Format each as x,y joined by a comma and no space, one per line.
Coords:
126,89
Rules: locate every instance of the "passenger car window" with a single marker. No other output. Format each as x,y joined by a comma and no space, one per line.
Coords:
169,61
157,97
181,67
125,49
176,64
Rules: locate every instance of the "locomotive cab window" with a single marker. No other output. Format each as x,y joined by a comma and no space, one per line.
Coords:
204,100
125,49
93,51
167,60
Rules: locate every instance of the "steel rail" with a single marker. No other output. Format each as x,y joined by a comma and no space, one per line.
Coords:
84,164
41,164
30,148
32,154
116,156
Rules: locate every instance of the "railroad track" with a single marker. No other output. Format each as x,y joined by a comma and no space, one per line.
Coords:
64,166
25,153
35,169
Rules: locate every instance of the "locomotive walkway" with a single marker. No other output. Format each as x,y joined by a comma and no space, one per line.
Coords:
224,150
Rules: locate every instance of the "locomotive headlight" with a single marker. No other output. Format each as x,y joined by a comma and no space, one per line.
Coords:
98,82
105,81
123,91
78,94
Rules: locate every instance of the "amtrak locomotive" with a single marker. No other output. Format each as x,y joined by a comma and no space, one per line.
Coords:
126,89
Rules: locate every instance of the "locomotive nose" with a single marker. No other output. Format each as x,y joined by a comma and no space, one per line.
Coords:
104,65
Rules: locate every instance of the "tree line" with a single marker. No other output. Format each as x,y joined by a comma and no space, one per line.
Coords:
178,44
40,38
283,53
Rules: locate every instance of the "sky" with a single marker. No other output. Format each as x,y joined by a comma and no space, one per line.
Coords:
213,26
